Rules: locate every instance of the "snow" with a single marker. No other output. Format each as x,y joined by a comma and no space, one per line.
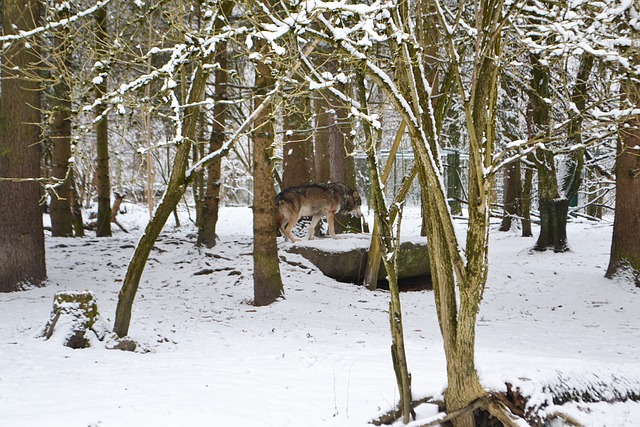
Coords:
319,357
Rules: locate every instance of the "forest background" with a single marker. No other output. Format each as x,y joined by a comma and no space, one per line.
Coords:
524,109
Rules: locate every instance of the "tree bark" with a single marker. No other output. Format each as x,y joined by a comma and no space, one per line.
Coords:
525,202
267,282
625,244
61,212
553,207
22,254
103,178
76,207
297,149
322,145
512,195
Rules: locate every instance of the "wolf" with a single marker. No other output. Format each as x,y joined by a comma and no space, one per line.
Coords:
315,200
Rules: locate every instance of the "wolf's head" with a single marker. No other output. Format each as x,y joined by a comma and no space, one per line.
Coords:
352,203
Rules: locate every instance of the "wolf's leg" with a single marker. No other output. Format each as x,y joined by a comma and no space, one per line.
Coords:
292,222
330,221
312,226
281,222
281,227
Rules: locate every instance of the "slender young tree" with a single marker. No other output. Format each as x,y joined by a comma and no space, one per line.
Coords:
174,192
22,254
390,242
211,202
186,132
61,211
103,175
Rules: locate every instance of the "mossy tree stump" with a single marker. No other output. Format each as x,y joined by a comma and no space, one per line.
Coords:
73,314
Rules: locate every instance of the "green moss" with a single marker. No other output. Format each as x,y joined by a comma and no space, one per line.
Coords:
77,304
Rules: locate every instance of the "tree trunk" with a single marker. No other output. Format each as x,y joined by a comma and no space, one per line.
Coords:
525,202
103,182
61,211
512,195
391,247
267,282
76,207
625,244
574,163
343,168
211,203
22,255
454,184
298,159
322,145
553,208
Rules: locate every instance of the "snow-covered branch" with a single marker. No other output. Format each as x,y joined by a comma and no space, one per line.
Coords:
54,25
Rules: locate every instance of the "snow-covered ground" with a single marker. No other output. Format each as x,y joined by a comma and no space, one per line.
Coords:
321,356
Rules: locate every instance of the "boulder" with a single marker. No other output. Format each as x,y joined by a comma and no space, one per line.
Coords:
345,259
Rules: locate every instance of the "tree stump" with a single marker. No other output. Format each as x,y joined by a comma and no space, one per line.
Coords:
73,315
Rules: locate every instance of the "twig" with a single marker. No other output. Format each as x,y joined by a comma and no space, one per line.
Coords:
476,404
500,411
